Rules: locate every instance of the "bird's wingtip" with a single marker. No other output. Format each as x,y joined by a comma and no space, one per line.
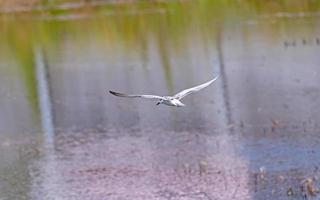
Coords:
112,92
215,78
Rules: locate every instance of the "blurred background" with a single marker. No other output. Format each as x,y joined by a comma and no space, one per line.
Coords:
253,134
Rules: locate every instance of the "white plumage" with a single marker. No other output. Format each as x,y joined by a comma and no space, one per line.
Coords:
169,100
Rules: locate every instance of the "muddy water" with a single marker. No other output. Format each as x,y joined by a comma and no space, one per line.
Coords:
254,134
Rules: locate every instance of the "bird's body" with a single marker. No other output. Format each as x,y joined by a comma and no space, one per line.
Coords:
169,100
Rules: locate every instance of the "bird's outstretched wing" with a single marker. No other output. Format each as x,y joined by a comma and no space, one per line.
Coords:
186,92
136,95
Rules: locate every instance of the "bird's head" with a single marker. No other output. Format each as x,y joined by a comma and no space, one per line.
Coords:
159,102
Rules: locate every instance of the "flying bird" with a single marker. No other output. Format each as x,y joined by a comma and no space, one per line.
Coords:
168,100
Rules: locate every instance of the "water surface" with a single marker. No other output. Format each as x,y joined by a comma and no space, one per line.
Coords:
254,134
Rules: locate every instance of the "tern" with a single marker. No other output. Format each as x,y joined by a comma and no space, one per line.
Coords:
168,100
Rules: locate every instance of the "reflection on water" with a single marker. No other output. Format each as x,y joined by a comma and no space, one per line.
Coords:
251,135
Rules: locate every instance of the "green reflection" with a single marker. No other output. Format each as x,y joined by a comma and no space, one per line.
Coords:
21,48
130,24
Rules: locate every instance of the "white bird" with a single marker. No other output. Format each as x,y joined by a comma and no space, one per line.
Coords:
169,100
